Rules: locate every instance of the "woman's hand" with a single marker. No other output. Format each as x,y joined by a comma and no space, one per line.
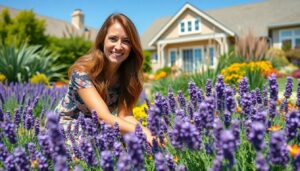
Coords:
148,134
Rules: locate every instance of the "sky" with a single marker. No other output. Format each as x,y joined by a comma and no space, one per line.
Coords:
142,12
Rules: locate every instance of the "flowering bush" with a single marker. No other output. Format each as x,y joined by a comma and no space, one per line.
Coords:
210,130
235,72
39,78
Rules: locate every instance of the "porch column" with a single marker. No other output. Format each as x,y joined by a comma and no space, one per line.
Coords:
161,47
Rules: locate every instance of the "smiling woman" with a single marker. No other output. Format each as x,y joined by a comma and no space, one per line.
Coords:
108,79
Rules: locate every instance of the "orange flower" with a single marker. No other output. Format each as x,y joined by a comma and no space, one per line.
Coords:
274,128
294,150
238,109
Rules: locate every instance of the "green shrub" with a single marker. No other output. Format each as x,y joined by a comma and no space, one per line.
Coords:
69,50
294,56
165,69
20,64
147,62
277,57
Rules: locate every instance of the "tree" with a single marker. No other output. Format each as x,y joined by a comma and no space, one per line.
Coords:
24,28
147,62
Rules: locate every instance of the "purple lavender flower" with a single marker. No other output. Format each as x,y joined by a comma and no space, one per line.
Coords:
246,105
248,126
87,153
292,124
107,162
243,86
261,163
181,100
160,162
10,132
153,120
220,93
60,164
227,118
9,163
278,153
21,159
180,168
261,116
296,163
32,151
217,164
258,96
185,133
42,161
218,128
3,152
117,132
228,146
45,144
124,162
200,97
1,115
253,97
229,102
190,110
135,151
272,109
170,161
192,88
273,87
236,131
284,106
171,100
17,117
37,127
266,99
256,135
288,87
298,95
141,136
208,88
118,148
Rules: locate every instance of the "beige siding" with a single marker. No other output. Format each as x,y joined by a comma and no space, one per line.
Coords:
206,27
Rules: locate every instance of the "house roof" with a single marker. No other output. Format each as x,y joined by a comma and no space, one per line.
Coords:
187,6
256,16
54,27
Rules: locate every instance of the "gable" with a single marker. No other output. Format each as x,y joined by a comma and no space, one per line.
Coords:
190,13
188,19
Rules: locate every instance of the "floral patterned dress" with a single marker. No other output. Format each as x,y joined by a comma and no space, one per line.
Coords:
71,105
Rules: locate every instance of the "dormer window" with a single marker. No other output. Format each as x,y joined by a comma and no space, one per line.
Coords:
182,29
190,26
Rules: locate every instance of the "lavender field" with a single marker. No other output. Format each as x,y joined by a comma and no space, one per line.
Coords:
218,128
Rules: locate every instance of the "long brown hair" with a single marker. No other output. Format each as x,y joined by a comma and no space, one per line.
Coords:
94,63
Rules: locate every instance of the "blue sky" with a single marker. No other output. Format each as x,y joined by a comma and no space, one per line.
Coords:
142,12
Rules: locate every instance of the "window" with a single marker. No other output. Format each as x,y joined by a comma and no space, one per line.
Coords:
289,38
197,24
154,57
182,27
172,57
198,58
189,26
188,60
211,55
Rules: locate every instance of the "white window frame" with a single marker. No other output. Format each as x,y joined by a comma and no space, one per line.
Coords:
186,27
293,37
169,57
194,57
214,57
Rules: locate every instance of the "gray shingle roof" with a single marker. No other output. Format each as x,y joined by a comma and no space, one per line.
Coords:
54,27
256,16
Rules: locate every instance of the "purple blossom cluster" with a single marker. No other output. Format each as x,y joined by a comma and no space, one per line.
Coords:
278,153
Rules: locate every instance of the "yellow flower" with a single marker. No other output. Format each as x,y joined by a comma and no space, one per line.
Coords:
140,114
39,78
2,78
34,163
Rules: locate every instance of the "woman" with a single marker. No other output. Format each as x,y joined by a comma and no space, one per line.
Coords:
108,79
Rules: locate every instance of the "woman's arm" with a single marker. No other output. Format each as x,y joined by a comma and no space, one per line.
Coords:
94,101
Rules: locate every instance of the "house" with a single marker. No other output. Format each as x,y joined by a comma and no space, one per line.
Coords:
59,28
193,38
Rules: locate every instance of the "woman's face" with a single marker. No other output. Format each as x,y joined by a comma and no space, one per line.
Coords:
116,44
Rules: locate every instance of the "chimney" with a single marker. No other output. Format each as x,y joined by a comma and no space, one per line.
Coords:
78,19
